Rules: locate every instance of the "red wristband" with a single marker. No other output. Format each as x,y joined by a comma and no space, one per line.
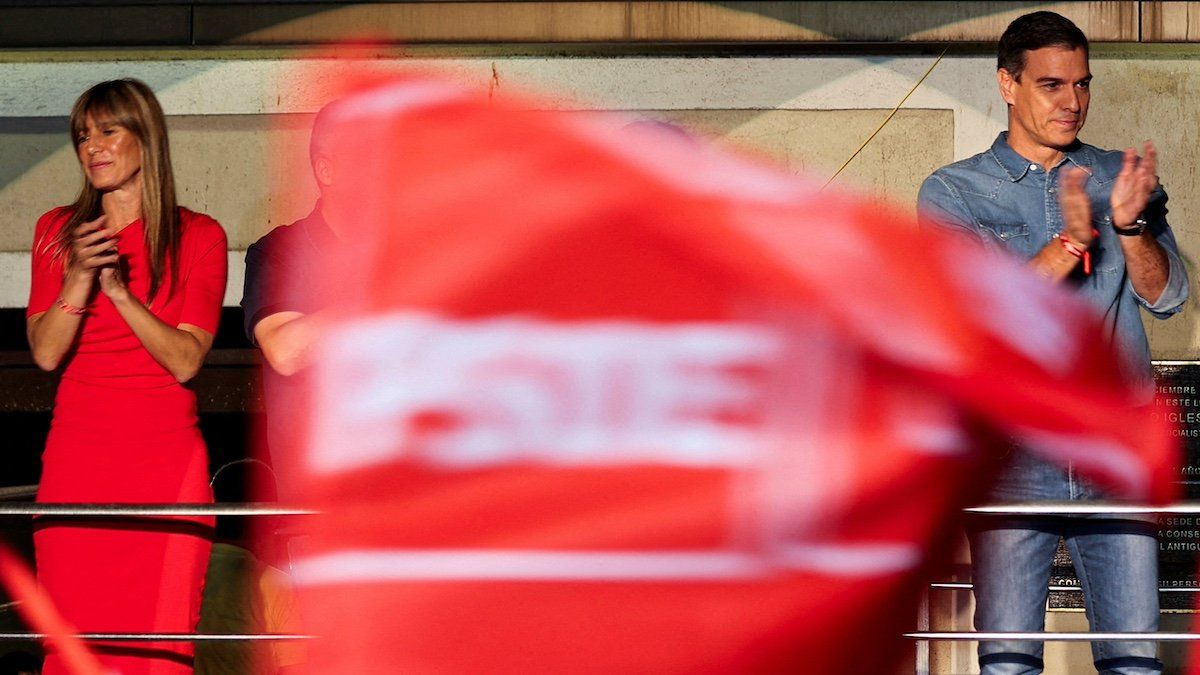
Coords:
69,308
1078,251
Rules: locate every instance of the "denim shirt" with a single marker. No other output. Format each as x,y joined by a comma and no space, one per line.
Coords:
1011,204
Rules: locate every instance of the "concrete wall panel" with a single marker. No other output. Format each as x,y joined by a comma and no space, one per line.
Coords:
38,170
235,168
227,115
251,172
223,167
815,143
1136,100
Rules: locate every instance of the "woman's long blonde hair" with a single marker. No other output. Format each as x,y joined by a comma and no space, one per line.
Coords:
132,105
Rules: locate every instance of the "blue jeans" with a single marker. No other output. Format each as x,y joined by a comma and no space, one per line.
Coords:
1116,562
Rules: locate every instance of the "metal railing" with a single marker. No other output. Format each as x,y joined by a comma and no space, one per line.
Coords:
9,506
1044,636
1092,508
966,586
1088,508
166,637
60,510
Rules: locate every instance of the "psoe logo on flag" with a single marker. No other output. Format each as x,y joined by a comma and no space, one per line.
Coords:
467,394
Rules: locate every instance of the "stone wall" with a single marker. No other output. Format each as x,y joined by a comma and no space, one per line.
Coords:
229,115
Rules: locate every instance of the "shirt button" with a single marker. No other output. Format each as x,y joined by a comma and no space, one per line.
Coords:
1033,167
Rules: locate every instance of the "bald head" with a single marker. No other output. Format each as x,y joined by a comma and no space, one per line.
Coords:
320,146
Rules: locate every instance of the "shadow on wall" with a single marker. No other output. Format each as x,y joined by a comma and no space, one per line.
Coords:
522,22
60,23
861,20
27,141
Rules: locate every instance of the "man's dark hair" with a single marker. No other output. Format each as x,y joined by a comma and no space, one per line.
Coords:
1035,31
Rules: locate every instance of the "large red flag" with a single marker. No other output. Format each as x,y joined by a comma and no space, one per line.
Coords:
599,399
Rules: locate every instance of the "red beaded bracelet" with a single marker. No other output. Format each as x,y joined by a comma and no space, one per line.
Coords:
69,308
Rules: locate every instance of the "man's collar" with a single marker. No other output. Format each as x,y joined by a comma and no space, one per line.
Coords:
317,228
1017,166
1080,157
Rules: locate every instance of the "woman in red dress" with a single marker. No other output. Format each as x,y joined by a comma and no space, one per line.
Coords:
126,294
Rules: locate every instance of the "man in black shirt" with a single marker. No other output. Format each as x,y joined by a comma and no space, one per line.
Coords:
280,300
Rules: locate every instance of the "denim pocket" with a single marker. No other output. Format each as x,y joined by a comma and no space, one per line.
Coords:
1007,231
1002,221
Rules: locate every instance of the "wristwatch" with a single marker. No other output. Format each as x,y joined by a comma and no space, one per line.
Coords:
1138,227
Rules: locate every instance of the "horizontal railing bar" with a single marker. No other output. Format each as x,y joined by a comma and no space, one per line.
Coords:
133,510
1082,508
970,636
966,586
164,637
18,492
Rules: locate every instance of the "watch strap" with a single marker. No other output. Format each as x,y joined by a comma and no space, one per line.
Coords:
1138,227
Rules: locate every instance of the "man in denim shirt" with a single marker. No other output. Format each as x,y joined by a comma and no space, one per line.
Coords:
1095,220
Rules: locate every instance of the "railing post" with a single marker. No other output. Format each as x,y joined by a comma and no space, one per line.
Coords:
923,646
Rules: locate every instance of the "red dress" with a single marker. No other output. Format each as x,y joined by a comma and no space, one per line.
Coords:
124,430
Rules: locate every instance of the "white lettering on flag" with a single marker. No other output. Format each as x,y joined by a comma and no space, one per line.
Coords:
470,394
416,565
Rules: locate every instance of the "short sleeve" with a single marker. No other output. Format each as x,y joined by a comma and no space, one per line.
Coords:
46,270
204,284
271,278
258,290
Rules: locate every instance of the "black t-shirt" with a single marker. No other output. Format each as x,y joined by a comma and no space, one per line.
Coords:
281,272
280,268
